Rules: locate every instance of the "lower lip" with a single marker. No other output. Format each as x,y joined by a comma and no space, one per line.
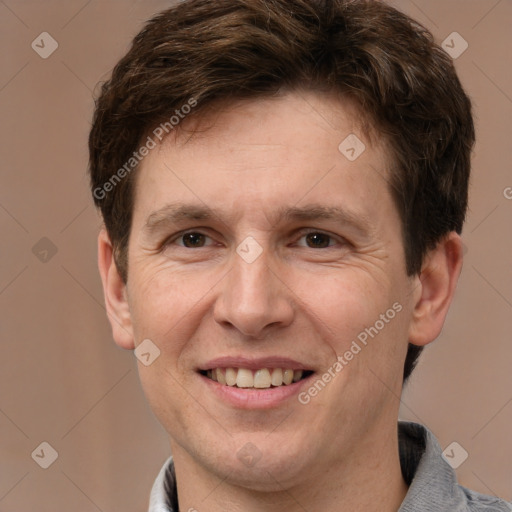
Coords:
252,398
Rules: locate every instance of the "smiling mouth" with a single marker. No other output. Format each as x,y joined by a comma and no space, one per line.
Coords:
256,379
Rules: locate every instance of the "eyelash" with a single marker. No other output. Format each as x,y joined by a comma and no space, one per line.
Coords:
303,233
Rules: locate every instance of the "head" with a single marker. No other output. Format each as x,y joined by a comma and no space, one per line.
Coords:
267,117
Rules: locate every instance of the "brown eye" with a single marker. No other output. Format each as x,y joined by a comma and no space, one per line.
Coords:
192,240
318,240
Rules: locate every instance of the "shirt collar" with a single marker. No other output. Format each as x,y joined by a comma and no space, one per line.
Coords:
432,482
164,495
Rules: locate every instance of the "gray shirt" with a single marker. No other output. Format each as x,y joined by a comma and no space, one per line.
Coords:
432,482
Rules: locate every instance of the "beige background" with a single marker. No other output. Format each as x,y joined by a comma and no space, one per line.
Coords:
62,379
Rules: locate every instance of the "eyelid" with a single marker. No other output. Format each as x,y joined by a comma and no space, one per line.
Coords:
306,231
300,233
178,236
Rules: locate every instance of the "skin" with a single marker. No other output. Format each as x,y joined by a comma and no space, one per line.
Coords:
296,300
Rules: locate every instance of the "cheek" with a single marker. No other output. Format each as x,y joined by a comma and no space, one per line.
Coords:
343,302
166,308
365,323
163,299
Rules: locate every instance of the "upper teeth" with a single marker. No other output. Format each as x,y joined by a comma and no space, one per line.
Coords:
245,378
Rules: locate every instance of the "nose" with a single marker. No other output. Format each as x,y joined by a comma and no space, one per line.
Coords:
253,298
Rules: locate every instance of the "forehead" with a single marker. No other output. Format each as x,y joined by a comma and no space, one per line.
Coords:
299,112
293,149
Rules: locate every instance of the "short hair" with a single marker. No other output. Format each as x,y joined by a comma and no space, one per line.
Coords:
200,53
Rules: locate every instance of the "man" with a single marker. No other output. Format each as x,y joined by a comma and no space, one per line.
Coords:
283,185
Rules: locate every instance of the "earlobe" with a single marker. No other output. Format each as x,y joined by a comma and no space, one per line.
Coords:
436,286
114,290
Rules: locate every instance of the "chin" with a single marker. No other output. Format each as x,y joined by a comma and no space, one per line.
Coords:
271,473
259,462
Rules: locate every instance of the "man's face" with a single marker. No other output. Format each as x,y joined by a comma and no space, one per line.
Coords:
300,261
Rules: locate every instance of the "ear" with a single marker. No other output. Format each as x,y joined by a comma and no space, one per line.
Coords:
434,289
114,290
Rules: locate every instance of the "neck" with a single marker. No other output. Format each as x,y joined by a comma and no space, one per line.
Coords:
367,478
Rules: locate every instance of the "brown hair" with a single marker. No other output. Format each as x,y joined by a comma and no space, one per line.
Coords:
201,52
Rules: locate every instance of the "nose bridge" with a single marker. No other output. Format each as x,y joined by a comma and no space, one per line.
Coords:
252,274
253,297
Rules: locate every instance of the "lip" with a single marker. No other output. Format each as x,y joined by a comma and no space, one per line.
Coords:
250,398
254,363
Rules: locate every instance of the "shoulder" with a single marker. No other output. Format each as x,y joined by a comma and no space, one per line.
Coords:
477,502
432,482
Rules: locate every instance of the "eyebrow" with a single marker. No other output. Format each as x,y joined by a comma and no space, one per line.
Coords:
175,213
